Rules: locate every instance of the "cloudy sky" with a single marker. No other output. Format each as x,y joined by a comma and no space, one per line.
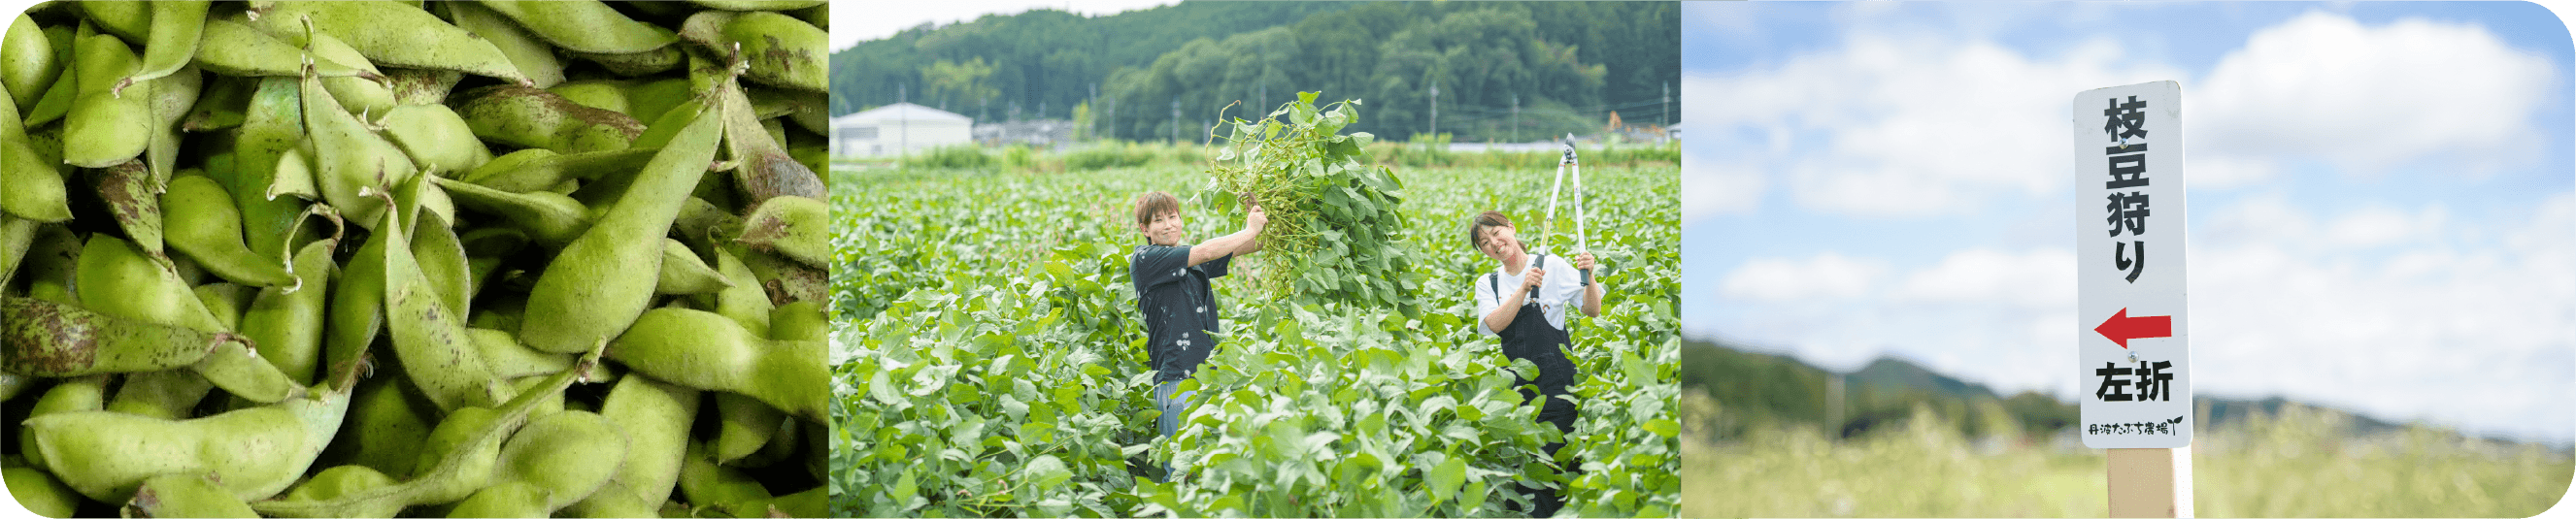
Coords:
852,24
2382,207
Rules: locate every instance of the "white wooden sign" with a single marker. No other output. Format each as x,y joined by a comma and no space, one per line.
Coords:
2132,326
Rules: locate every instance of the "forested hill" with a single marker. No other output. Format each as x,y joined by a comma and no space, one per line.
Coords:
1758,389
1567,64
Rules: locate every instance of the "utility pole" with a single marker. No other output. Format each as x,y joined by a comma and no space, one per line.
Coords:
1435,108
1176,120
1668,104
1516,117
1264,99
1113,118
1095,104
903,125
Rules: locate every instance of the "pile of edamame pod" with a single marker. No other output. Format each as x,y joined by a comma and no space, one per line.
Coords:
368,259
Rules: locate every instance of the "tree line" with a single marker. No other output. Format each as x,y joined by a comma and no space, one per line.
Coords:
1503,70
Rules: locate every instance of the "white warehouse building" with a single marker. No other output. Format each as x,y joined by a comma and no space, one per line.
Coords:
896,129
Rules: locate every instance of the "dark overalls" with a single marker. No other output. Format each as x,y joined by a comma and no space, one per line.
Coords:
1531,337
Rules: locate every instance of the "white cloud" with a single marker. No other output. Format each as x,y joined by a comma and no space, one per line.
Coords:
2323,87
1824,276
2042,278
1711,186
1905,126
2478,337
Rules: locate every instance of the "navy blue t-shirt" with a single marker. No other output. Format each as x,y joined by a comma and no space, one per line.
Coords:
1179,308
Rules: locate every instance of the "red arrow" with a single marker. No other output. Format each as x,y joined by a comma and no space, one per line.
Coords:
2120,327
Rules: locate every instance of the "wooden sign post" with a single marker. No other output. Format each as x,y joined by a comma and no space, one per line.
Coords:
2133,326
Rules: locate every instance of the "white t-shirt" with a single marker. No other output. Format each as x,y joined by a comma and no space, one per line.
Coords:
1561,288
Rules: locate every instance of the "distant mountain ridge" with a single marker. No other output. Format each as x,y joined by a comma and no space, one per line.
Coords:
1769,389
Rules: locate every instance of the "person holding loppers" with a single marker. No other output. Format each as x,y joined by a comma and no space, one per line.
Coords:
1523,302
1173,295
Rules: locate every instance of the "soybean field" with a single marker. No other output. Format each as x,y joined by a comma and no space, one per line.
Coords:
989,359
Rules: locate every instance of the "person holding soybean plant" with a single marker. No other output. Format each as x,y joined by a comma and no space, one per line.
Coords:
1173,295
1523,302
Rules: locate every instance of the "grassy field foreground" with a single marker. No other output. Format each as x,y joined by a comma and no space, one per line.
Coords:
2295,464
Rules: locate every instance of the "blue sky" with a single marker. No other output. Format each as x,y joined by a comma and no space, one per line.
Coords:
2382,211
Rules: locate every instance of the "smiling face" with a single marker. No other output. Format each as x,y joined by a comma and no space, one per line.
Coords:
1499,243
1163,229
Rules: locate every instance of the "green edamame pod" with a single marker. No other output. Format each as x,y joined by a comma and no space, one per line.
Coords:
428,333
88,393
52,266
724,489
27,64
349,159
684,273
265,177
708,351
787,281
285,323
535,59
226,300
36,189
387,425
259,451
584,26
17,237
535,169
57,98
441,257
106,127
357,95
39,492
757,5
435,138
132,20
173,41
796,227
744,301
50,339
549,218
532,118
237,369
764,170
393,34
560,454
582,298
170,99
353,327
602,94
168,395
334,482
744,425
511,360
199,220
184,495
463,464
513,499
224,105
656,416
611,501
799,321
233,49
118,280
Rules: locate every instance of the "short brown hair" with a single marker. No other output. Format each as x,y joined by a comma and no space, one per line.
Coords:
1154,203
1476,230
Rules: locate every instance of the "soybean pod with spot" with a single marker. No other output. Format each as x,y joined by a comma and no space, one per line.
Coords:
780,50
184,494
464,463
535,169
428,334
586,296
763,168
392,34
133,200
534,58
259,451
795,227
532,118
50,339
708,351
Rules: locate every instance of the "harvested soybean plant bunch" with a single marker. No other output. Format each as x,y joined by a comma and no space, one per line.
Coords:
1334,226
367,259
